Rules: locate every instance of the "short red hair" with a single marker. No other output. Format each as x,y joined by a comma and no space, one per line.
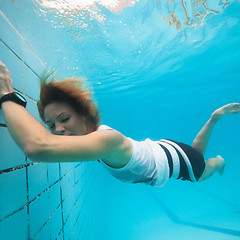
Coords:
72,92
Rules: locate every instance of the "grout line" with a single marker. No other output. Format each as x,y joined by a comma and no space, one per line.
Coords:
86,212
75,202
59,165
75,224
49,212
56,209
17,168
76,219
53,212
84,173
23,71
27,191
90,226
29,45
80,231
23,77
31,164
59,203
86,232
26,166
96,201
22,60
39,195
21,208
47,221
74,205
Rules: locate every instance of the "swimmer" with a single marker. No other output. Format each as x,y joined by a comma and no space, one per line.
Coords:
75,135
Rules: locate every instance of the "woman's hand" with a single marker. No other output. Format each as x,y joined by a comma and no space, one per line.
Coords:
6,85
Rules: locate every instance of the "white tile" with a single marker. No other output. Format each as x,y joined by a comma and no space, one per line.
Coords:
39,214
10,36
54,198
56,224
13,191
37,176
19,223
14,65
11,154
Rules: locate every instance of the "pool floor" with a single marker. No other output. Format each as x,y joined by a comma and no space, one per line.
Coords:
177,211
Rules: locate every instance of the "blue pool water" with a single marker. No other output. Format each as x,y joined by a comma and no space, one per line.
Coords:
158,70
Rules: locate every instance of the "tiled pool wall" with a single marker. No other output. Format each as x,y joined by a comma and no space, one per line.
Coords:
40,200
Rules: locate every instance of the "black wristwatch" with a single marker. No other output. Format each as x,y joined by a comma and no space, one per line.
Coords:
14,97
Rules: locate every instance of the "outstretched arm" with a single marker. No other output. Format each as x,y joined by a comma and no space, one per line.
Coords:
201,140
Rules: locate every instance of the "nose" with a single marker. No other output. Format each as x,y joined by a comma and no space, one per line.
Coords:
59,129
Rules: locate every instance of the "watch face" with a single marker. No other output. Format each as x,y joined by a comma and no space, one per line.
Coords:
20,96
15,97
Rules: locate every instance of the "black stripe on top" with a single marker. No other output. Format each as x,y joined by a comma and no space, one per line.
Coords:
195,157
169,158
183,173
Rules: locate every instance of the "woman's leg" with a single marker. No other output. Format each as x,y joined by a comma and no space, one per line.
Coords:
211,166
201,140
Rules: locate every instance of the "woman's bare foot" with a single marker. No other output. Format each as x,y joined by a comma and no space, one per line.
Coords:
217,164
228,109
220,164
213,165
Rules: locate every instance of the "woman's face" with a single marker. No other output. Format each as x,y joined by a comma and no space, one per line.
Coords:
62,119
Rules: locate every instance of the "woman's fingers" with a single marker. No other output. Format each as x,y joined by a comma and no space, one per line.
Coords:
6,85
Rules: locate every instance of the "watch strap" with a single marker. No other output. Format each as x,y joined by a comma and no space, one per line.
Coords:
14,97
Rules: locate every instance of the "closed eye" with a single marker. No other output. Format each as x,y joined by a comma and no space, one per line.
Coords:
65,119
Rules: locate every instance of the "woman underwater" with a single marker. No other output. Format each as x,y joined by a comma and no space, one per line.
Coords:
76,136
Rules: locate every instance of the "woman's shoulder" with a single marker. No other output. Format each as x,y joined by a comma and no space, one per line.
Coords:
104,127
112,136
121,147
